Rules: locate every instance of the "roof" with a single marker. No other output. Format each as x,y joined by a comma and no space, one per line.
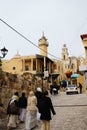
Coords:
83,36
42,57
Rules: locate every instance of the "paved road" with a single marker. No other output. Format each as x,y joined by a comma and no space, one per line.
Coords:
71,112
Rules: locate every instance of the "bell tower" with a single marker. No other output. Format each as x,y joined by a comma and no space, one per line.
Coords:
65,53
43,45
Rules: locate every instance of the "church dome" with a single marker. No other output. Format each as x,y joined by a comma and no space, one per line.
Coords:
17,56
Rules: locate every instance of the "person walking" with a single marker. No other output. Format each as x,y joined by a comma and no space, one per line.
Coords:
80,87
51,89
13,111
22,103
31,111
45,108
39,95
55,88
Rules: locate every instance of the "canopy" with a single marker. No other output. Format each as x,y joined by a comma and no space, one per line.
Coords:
74,75
68,73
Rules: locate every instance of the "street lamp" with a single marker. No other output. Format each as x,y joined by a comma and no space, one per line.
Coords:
4,52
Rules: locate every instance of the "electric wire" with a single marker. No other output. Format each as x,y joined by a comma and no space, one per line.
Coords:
26,38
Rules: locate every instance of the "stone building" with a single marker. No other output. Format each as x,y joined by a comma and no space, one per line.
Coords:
22,73
70,65
84,41
83,67
41,63
34,64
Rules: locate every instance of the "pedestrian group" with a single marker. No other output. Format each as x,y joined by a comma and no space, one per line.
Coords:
30,110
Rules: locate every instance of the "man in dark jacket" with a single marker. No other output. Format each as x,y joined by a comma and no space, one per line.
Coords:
45,107
80,87
39,95
22,105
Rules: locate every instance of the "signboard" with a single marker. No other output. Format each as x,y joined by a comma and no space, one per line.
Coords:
46,74
83,68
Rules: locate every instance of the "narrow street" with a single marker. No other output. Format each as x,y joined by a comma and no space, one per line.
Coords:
71,112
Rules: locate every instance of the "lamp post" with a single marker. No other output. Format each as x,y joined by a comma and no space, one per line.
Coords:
4,51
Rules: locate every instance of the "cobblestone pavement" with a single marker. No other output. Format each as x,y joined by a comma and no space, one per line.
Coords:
71,113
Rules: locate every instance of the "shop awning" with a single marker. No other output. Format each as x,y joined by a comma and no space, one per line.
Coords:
68,73
74,75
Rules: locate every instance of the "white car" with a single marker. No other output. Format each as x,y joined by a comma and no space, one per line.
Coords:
71,89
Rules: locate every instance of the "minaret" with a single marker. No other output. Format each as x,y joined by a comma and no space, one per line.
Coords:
84,40
65,53
43,44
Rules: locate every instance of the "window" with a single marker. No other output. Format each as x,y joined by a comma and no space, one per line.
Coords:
14,68
64,57
26,67
34,65
55,67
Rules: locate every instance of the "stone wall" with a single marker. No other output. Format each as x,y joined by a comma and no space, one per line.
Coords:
11,83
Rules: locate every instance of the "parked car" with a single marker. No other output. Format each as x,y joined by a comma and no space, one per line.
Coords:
71,89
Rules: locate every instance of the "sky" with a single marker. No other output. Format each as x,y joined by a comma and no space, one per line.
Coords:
62,21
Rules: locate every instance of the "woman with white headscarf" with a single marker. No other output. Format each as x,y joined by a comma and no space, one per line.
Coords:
12,116
31,111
